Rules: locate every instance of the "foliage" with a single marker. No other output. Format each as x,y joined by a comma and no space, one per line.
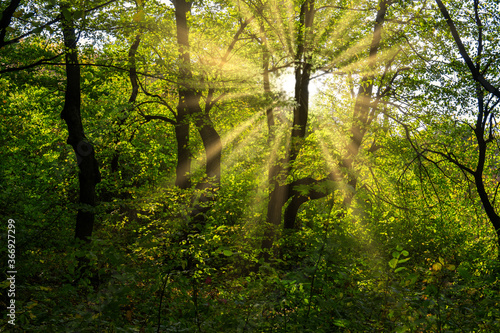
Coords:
414,252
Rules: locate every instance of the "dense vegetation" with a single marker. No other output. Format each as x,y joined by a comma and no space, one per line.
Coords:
250,165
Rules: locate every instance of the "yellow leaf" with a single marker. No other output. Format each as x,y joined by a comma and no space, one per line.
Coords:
437,266
139,16
450,267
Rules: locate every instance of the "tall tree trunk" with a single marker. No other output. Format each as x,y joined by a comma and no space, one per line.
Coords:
89,174
189,109
479,131
277,199
278,173
361,120
188,98
267,87
303,67
278,195
183,168
362,108
213,149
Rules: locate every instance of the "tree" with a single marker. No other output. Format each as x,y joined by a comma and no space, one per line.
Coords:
487,98
89,175
307,59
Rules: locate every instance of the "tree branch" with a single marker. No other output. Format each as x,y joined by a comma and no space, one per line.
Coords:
476,74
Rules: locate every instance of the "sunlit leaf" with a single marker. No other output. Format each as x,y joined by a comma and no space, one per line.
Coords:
139,16
393,263
437,266
400,261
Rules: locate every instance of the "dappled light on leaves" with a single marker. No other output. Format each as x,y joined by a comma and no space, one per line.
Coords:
250,166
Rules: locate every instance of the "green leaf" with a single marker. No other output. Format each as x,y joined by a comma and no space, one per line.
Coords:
403,260
18,13
66,13
393,263
464,273
341,322
227,253
78,14
139,16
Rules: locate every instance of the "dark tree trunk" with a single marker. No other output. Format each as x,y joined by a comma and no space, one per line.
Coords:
89,174
134,82
209,186
488,207
5,19
317,189
188,98
213,149
183,167
277,200
482,117
280,192
303,67
479,131
188,110
361,121
292,210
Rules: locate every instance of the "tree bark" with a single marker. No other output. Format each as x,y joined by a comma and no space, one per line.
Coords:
361,120
278,173
479,131
483,113
362,107
5,19
277,199
266,57
303,67
316,189
213,150
89,174
189,109
188,99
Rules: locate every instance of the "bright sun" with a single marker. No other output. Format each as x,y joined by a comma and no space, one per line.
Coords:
286,83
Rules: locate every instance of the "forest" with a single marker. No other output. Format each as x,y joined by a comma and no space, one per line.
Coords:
250,166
